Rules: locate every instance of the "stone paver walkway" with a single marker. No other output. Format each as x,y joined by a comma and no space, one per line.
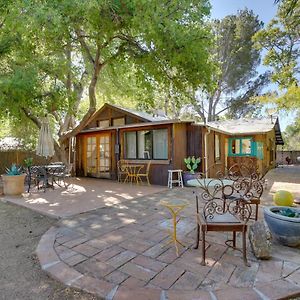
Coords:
120,252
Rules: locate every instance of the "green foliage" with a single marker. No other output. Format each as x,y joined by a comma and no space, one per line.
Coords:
21,128
13,170
116,50
288,100
28,162
235,52
281,40
247,104
291,136
192,163
236,60
288,212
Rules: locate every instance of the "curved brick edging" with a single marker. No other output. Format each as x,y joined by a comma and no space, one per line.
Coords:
56,268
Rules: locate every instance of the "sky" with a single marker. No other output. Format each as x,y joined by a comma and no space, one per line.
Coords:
266,10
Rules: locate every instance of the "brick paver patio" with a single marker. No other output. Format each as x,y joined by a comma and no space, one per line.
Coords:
120,252
84,194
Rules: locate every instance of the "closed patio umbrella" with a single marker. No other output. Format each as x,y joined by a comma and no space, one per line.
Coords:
45,146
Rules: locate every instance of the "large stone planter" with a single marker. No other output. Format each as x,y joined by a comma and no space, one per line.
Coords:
285,229
13,184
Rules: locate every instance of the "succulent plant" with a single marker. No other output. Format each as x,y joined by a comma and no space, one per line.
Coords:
287,212
192,163
13,170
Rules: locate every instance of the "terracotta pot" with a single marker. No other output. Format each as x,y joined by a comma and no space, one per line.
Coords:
13,184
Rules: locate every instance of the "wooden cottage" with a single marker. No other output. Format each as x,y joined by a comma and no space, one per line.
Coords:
243,141
115,133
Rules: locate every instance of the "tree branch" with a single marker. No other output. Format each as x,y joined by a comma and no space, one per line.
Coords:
33,118
79,127
80,36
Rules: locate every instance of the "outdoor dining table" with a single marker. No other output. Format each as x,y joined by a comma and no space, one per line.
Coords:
45,172
132,171
54,169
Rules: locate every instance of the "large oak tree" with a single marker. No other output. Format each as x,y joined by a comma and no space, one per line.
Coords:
55,53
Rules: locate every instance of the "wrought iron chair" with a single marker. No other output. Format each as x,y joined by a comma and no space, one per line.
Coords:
221,214
248,184
62,174
144,175
38,174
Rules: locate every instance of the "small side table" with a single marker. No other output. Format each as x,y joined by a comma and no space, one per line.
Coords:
174,206
178,180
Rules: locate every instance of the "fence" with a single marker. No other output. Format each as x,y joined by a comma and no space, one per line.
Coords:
17,157
281,157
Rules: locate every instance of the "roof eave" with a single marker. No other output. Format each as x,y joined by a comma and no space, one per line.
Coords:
135,125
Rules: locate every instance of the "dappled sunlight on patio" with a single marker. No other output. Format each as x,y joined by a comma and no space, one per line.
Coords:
291,187
37,201
282,178
73,189
127,196
127,244
83,194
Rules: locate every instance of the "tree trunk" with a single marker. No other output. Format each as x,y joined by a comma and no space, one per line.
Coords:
166,105
92,97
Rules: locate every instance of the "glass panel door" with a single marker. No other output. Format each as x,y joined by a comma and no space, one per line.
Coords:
91,154
104,154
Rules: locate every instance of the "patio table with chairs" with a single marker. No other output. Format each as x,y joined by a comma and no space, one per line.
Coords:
48,175
133,172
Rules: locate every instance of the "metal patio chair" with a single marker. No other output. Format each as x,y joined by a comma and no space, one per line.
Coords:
221,214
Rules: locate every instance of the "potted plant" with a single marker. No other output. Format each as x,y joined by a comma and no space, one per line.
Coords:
28,162
13,181
191,164
284,224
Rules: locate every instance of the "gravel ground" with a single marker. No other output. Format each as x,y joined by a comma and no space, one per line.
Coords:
20,274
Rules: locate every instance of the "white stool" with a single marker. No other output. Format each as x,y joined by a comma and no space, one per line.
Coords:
178,180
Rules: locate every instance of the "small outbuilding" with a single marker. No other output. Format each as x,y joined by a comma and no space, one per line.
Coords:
243,141
115,133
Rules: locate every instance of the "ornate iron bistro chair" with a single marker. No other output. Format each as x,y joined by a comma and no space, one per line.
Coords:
144,175
38,174
220,214
62,174
248,184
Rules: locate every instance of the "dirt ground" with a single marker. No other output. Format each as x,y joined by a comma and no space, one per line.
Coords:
20,274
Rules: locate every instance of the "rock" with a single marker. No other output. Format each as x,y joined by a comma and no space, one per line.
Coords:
260,240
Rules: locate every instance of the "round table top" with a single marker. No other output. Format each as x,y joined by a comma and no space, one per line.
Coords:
209,182
174,203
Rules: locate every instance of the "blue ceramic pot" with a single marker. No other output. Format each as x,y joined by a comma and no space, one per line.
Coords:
285,229
188,176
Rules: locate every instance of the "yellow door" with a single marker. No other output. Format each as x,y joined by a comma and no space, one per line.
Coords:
91,156
104,160
98,156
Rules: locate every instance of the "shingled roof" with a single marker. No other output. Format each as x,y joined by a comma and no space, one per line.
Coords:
140,114
247,126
